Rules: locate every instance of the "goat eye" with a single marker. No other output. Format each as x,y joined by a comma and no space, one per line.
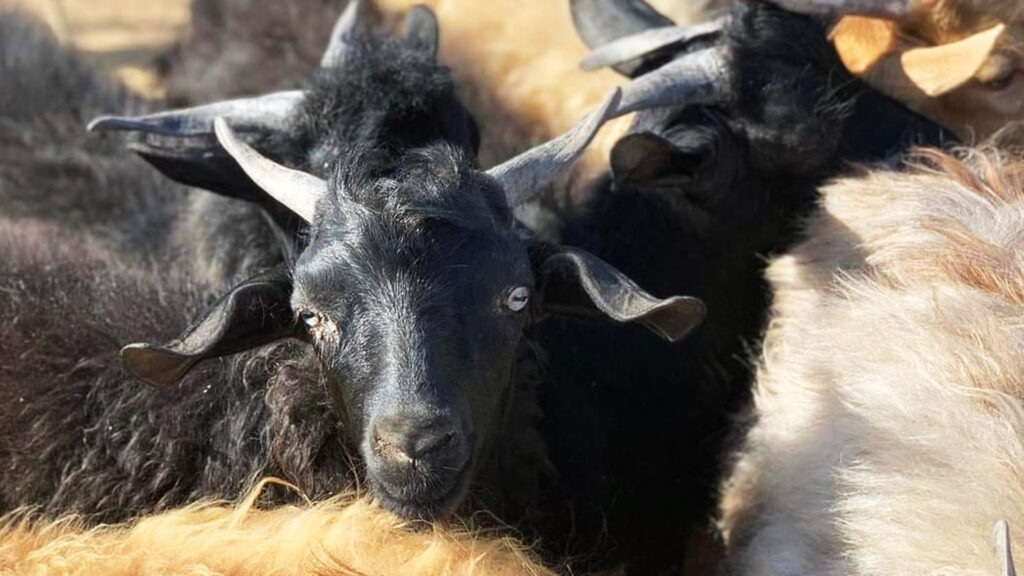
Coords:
517,298
310,319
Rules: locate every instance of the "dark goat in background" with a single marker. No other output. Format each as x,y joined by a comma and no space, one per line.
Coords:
411,287
698,195
52,170
47,160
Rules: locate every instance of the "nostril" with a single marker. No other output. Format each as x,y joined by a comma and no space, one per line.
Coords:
387,447
428,441
404,439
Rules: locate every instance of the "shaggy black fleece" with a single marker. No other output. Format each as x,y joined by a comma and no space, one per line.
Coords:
97,250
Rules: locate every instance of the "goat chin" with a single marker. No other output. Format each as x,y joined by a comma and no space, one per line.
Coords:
346,535
889,409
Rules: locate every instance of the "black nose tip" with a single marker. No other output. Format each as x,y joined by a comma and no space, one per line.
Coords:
400,438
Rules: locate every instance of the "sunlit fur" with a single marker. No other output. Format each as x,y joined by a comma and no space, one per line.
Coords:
887,435
344,536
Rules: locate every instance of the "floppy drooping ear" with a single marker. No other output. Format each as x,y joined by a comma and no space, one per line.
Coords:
253,313
701,160
575,283
904,68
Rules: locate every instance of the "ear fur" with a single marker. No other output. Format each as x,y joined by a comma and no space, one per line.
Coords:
576,283
253,313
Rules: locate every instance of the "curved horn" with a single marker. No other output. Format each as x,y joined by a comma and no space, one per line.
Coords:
270,112
522,177
295,189
643,43
692,79
344,30
894,9
599,22
1004,554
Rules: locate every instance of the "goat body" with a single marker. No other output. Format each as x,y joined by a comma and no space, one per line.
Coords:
887,421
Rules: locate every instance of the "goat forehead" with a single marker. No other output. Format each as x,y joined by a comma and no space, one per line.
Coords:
405,269
435,183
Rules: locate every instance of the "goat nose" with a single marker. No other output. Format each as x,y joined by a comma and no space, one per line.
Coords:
399,437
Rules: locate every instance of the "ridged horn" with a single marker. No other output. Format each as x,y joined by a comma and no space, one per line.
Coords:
296,190
523,177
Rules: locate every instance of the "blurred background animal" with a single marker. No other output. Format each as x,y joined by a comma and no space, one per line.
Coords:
956,61
515,63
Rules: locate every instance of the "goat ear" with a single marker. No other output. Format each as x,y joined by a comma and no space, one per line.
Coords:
903,69
182,145
421,29
576,283
253,313
937,70
861,42
647,160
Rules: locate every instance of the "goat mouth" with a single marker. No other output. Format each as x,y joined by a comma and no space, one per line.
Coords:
426,507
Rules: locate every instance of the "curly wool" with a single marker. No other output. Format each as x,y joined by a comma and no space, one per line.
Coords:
345,536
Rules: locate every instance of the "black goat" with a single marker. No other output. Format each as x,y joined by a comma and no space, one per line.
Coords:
411,289
700,192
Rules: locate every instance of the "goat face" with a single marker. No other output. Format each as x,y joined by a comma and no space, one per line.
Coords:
416,311
414,291
412,283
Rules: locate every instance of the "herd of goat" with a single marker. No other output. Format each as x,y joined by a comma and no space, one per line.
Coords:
771,325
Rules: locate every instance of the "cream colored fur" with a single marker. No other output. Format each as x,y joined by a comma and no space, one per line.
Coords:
337,538
890,395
